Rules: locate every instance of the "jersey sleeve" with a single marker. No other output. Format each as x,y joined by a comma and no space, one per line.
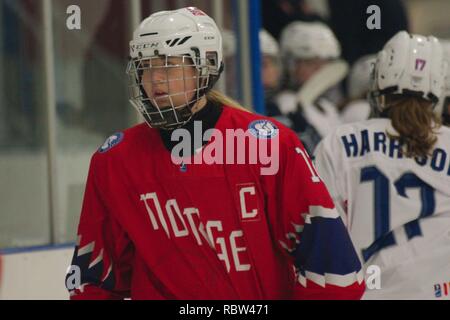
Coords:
101,262
327,162
311,232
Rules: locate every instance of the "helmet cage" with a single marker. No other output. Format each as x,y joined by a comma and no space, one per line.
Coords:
156,113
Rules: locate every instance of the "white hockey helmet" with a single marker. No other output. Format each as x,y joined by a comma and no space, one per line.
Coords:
411,65
186,33
307,40
268,44
359,77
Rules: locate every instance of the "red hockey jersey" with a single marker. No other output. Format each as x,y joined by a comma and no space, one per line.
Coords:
153,229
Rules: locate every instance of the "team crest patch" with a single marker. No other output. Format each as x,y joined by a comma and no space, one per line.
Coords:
111,142
264,129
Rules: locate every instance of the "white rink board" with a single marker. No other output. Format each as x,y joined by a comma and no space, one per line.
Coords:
38,275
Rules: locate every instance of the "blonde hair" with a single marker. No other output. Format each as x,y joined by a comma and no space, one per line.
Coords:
416,123
219,98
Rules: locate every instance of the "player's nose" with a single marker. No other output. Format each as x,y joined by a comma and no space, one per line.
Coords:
158,74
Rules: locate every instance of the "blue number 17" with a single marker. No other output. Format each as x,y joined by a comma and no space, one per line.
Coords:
383,233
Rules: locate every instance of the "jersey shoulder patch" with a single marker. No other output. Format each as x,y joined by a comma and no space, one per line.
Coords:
263,129
111,142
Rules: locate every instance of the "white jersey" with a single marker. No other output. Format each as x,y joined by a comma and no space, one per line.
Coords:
357,110
323,119
397,209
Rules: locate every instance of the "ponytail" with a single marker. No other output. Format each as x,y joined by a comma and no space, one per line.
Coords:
416,123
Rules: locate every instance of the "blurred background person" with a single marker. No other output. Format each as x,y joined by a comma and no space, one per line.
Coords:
357,107
270,71
229,43
313,70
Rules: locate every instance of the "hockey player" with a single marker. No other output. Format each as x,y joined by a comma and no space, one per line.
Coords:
271,76
151,228
390,176
230,58
358,107
311,55
270,71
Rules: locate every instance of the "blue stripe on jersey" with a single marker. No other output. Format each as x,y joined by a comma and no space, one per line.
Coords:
92,275
383,242
325,247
